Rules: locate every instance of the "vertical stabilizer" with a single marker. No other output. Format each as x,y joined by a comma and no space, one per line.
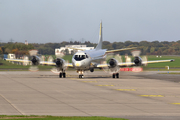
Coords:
99,46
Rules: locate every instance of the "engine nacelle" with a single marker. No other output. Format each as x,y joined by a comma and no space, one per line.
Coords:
138,61
60,63
113,66
92,69
35,60
113,63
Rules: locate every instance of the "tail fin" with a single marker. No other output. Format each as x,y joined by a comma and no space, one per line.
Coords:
99,46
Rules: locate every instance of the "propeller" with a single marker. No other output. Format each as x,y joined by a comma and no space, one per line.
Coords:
35,60
25,60
61,64
139,61
112,60
127,60
42,58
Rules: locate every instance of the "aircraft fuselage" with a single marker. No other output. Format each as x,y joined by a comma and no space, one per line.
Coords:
83,60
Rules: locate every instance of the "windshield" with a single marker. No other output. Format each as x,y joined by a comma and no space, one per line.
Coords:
79,57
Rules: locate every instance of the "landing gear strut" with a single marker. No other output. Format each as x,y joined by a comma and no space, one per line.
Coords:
62,74
115,75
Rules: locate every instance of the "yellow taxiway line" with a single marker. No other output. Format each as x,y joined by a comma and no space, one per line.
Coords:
151,95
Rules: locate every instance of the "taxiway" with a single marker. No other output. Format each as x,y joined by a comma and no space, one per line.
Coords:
136,96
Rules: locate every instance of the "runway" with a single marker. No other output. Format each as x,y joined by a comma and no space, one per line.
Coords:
136,96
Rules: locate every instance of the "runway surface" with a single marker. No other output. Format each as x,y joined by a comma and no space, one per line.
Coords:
136,96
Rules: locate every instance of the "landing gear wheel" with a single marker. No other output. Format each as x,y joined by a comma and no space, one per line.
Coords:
60,75
81,76
117,75
64,75
113,76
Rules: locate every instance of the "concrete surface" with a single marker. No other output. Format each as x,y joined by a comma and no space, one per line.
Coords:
136,96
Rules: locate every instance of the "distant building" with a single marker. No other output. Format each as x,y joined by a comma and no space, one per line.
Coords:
11,56
26,42
68,47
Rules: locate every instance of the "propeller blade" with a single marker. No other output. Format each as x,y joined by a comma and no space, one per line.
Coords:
112,60
144,59
135,53
50,59
33,68
33,52
60,55
26,60
128,60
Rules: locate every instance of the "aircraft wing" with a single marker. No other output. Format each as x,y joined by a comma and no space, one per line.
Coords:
157,61
118,50
125,64
41,62
47,63
17,60
69,64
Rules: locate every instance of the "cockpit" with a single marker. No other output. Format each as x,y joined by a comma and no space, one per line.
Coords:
80,57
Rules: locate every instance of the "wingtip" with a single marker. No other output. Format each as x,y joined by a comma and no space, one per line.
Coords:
172,60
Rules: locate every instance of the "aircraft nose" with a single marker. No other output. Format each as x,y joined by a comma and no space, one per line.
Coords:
77,64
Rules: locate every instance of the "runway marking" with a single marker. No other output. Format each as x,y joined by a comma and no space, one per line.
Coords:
12,105
104,85
176,103
126,89
151,95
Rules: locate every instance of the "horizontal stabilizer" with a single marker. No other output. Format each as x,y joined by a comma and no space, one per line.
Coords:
119,50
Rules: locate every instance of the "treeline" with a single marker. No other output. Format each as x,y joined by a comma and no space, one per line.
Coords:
15,48
147,48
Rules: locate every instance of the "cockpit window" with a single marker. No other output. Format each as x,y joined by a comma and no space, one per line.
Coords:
80,57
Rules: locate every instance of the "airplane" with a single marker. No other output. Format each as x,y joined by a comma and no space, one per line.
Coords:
88,60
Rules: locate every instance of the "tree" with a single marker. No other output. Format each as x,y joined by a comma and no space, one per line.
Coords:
1,51
7,51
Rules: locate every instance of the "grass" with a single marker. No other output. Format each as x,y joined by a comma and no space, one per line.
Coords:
34,117
9,65
175,64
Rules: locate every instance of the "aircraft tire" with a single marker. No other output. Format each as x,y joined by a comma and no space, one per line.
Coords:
64,75
117,75
81,76
113,76
60,75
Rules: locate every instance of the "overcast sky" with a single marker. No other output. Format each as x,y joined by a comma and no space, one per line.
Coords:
42,21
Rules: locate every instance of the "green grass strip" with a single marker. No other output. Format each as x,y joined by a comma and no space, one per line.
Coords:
35,117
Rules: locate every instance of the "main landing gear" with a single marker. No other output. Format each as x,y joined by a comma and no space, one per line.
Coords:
115,75
62,74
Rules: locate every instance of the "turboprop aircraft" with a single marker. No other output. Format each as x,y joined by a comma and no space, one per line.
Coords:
85,60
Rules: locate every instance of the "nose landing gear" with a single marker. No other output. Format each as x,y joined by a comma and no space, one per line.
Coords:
80,74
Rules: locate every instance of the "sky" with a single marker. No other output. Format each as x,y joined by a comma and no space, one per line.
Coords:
44,21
